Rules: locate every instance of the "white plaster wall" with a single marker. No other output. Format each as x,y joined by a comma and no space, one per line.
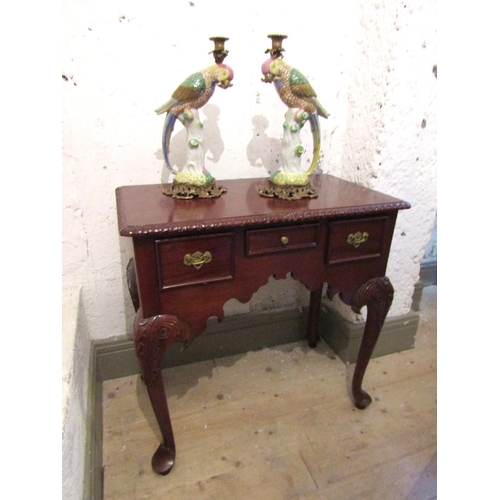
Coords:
390,131
369,61
76,357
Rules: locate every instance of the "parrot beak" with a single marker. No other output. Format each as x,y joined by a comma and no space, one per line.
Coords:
268,78
225,84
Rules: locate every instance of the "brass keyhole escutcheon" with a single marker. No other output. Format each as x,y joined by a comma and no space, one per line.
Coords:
284,240
197,259
357,238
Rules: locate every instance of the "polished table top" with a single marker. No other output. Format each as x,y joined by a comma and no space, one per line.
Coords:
145,209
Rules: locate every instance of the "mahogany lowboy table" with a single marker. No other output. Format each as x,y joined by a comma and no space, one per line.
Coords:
192,256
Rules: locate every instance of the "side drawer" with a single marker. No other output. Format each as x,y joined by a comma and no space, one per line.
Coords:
281,239
354,240
194,260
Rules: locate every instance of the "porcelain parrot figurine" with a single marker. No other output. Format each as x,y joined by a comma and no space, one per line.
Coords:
298,95
193,93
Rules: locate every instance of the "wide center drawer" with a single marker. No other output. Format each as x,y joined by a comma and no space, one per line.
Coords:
281,239
194,260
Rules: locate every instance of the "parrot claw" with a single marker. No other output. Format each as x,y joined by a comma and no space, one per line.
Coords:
185,116
301,116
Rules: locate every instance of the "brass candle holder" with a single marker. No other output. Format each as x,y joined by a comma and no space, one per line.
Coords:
276,49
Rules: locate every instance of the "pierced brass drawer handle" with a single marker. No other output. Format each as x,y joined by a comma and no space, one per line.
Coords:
197,259
357,238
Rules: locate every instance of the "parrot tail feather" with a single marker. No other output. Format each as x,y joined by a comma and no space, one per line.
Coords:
316,142
165,107
321,110
167,134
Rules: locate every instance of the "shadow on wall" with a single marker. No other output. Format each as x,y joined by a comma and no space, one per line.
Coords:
214,145
263,151
126,254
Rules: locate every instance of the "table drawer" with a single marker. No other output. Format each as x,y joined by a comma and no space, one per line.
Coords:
356,239
281,239
194,260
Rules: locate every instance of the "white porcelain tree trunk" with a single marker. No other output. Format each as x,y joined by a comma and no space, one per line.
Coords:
291,172
193,171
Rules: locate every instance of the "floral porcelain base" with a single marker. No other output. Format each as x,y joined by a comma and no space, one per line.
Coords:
186,191
288,192
290,178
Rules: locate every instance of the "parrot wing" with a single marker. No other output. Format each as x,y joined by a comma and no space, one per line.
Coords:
190,89
302,88
299,84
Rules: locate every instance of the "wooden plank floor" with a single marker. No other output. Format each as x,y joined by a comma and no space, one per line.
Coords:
278,424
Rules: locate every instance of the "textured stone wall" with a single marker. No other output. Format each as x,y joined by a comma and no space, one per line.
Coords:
370,62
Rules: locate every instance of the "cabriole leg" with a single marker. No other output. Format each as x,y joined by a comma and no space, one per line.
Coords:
377,295
152,336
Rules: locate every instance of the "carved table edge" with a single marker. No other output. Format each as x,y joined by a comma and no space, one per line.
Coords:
256,220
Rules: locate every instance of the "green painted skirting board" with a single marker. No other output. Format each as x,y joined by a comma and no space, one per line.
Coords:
235,335
94,476
428,273
239,334
344,337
